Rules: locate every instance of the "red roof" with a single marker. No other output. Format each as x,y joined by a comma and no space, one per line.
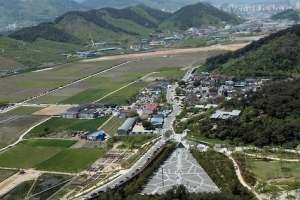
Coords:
151,106
127,111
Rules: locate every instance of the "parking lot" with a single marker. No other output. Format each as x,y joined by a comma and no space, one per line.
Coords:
180,168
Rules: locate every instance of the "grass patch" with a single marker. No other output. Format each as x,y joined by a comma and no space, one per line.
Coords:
23,156
4,174
196,138
136,140
135,74
112,126
267,170
89,125
23,110
59,125
71,160
49,143
174,72
20,191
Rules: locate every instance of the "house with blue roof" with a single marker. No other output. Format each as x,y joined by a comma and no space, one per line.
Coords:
157,122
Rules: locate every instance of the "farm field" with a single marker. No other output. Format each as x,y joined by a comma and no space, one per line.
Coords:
112,126
94,88
13,126
120,97
19,87
4,174
169,72
23,156
23,110
55,126
71,160
49,143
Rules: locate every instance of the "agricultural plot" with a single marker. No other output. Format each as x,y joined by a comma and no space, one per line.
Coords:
122,96
4,174
56,126
71,160
49,143
23,156
13,126
19,87
112,126
23,110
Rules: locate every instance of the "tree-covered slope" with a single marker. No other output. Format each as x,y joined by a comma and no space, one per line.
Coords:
157,4
289,14
200,14
138,21
35,10
269,116
277,55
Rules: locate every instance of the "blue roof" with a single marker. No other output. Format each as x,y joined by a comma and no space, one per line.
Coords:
156,120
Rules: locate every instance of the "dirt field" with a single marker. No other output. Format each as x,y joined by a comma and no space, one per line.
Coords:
52,110
13,126
231,47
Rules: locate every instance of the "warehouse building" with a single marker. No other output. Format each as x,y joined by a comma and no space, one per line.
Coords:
126,127
96,135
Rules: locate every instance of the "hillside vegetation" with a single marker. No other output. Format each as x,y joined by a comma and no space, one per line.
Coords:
289,14
35,10
276,55
137,21
270,117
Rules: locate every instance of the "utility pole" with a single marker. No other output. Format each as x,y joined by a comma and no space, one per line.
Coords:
162,176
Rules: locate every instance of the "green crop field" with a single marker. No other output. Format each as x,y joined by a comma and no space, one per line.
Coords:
120,97
173,72
135,74
89,125
59,125
92,94
71,160
23,156
4,174
112,126
23,110
49,143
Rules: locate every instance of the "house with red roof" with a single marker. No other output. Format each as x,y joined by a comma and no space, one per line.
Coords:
150,109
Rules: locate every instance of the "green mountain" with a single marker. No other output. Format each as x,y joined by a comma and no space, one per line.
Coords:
120,24
277,55
289,14
35,10
200,14
171,5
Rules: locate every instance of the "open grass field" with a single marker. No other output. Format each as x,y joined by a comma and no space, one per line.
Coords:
4,174
120,97
112,126
60,125
173,72
12,126
71,160
49,143
23,156
23,110
267,170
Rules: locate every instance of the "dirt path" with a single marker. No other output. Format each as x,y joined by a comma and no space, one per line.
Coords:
231,47
242,181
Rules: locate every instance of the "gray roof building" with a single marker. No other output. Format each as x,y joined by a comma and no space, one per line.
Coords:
126,126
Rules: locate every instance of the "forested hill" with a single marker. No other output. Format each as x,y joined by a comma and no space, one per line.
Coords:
157,4
270,116
201,14
277,55
289,14
111,23
36,10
